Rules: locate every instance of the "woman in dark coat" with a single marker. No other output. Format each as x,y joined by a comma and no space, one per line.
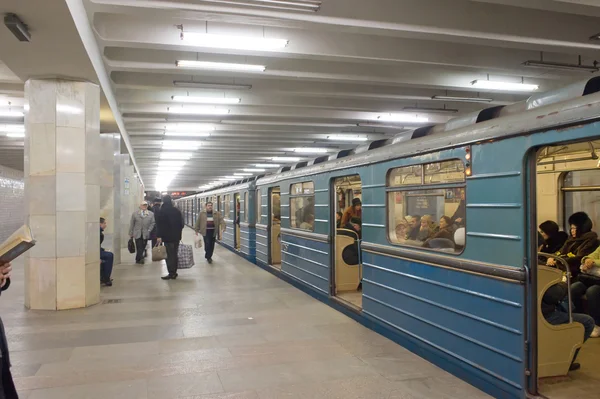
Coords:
7,387
553,238
582,242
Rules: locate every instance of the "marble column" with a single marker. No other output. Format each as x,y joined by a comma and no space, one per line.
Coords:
127,200
109,148
62,193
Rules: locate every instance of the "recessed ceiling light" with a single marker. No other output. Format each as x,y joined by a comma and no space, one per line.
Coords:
15,134
505,86
290,5
175,155
197,110
347,137
267,165
242,174
463,99
11,114
254,169
181,145
233,42
405,118
219,66
308,150
210,86
167,164
12,128
227,178
206,100
285,159
431,110
190,127
187,134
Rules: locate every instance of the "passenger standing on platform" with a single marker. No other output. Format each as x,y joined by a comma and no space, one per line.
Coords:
106,258
169,225
155,209
209,224
140,228
7,386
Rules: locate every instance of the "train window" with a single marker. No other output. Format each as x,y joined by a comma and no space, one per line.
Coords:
302,206
226,205
259,211
428,218
246,207
581,193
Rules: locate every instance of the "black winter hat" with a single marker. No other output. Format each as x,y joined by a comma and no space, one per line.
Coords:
356,201
582,221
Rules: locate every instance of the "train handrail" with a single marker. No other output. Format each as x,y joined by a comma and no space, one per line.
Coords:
567,273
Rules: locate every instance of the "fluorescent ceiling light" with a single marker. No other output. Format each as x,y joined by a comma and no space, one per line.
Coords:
405,118
293,5
227,179
11,114
242,174
210,86
15,134
308,150
463,99
172,164
267,165
379,125
175,155
190,127
198,110
181,145
431,110
254,170
347,137
233,42
187,134
562,66
285,159
219,66
506,86
12,128
206,100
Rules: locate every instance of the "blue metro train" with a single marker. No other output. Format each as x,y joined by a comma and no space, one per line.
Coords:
470,301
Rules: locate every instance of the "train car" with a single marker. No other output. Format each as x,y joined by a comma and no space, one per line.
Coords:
444,257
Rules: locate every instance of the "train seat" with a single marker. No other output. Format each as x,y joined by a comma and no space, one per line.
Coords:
347,266
556,344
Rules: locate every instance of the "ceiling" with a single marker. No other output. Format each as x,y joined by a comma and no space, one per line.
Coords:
344,66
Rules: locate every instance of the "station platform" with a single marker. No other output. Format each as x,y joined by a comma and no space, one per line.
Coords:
228,330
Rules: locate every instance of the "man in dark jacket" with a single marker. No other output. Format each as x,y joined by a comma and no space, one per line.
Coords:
155,209
169,225
553,310
582,242
106,258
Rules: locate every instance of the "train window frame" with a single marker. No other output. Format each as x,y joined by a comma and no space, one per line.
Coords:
258,210
422,189
293,196
565,189
246,206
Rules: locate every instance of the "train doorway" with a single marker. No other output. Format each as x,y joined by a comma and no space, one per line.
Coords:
275,227
236,221
565,221
347,233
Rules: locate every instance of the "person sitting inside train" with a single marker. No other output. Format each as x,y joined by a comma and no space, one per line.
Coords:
444,235
308,223
338,219
552,238
588,285
582,242
555,313
426,228
355,224
353,211
401,230
414,222
459,216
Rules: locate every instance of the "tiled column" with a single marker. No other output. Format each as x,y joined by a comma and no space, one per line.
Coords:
62,193
110,145
127,206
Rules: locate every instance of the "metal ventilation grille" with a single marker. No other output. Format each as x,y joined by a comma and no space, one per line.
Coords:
292,5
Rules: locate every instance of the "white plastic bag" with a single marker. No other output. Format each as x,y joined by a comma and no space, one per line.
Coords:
198,241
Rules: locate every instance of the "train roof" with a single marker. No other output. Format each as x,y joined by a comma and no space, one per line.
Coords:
572,104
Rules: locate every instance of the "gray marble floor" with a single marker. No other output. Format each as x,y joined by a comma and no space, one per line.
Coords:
223,331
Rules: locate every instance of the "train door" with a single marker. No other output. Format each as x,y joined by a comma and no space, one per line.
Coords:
565,204
275,227
236,221
346,225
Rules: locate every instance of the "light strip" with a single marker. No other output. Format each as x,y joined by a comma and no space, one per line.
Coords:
206,100
346,137
175,155
11,114
293,5
242,174
233,42
267,165
180,145
380,126
187,134
171,164
463,99
219,66
198,110
211,86
12,128
286,159
432,110
254,169
505,86
405,118
308,150
190,127
561,66
16,134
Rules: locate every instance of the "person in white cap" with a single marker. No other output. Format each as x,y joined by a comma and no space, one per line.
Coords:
140,229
